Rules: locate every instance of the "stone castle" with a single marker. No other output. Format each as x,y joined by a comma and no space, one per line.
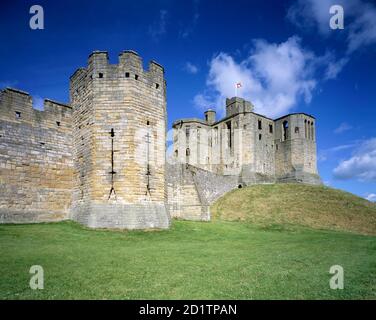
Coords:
102,159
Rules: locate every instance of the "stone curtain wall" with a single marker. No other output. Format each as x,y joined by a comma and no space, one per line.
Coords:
119,143
192,190
36,164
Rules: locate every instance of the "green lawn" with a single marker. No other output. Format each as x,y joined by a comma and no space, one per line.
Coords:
193,260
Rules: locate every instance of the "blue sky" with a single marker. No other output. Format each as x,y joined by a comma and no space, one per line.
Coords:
283,52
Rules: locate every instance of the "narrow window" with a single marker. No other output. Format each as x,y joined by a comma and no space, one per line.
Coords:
276,146
127,74
229,134
187,152
270,128
260,136
259,124
18,115
187,132
136,76
100,75
308,130
296,129
58,123
147,123
176,153
285,127
157,86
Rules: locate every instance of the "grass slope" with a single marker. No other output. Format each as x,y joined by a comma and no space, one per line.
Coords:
193,260
312,206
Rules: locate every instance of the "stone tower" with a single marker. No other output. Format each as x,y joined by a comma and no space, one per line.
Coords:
119,143
295,154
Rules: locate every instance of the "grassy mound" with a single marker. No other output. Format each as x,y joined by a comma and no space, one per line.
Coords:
317,207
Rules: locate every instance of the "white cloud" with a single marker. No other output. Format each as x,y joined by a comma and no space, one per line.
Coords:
361,166
342,128
371,197
360,19
190,68
158,28
274,77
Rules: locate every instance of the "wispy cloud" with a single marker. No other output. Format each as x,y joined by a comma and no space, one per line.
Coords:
361,165
342,128
158,28
189,28
359,30
323,155
190,68
8,83
371,197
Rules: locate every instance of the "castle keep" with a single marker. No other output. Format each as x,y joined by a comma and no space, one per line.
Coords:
241,149
101,160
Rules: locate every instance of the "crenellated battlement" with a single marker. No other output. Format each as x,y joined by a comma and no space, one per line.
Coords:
130,66
17,106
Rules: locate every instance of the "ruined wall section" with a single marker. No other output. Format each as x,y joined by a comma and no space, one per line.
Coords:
36,164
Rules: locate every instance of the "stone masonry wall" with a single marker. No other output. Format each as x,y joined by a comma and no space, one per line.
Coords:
36,164
192,190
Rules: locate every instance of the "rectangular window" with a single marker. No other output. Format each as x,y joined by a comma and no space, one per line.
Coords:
127,74
259,124
18,114
270,128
